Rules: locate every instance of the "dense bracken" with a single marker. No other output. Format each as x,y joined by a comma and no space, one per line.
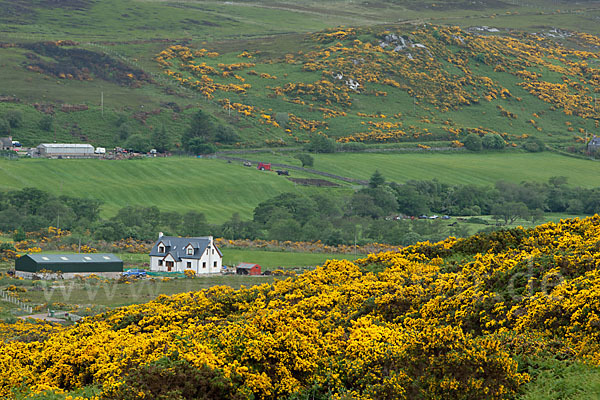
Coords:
439,320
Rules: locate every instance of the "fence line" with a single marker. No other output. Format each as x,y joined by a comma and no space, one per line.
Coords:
14,300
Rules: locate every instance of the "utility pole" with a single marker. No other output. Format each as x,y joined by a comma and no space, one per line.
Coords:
102,102
229,107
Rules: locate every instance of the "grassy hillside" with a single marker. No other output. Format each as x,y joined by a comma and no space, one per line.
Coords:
214,187
505,315
108,49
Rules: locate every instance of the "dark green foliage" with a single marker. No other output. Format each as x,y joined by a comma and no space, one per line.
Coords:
4,127
171,378
226,134
198,146
473,142
534,145
493,142
352,146
376,179
14,118
201,130
138,143
161,140
321,144
306,159
46,123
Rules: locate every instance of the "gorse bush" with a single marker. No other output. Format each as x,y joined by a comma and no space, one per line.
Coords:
435,320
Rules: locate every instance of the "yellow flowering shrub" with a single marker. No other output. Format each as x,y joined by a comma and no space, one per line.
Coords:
441,320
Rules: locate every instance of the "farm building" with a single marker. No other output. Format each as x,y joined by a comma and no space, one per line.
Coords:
178,254
69,265
63,150
247,269
6,143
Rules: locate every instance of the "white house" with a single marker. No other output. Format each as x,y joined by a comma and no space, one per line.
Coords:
178,254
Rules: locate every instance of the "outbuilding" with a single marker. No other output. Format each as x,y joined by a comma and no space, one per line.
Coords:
63,150
248,269
68,265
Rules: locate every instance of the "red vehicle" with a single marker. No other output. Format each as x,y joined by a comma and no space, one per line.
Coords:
264,166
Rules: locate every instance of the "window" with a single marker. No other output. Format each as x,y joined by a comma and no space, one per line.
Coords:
213,251
204,265
215,264
45,258
190,251
189,264
106,258
160,263
88,258
64,258
161,249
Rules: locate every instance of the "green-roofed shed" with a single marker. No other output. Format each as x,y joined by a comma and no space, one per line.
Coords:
68,264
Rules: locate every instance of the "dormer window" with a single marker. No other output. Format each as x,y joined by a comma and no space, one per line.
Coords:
190,251
161,249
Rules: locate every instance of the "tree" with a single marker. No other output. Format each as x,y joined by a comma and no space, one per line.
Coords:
14,118
226,134
473,142
510,211
194,224
46,123
376,179
321,144
534,145
161,140
201,127
138,142
4,127
198,146
306,159
493,142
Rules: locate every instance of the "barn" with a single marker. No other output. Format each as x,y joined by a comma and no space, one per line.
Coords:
248,269
68,265
63,150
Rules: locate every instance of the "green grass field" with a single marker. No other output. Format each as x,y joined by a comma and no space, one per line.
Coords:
220,189
453,168
214,187
268,260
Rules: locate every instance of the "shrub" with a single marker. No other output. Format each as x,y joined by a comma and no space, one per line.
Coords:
534,145
493,142
352,146
306,159
173,379
4,127
473,142
14,118
321,144
46,123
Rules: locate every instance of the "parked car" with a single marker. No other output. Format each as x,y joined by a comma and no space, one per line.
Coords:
446,217
135,273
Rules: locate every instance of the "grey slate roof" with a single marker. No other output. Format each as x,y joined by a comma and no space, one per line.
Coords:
74,258
176,247
594,142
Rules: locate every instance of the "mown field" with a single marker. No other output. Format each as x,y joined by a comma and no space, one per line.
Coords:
216,188
452,167
219,189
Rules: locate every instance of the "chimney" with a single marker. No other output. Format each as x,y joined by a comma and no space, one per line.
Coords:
160,234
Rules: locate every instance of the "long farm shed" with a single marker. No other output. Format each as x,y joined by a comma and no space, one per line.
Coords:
68,265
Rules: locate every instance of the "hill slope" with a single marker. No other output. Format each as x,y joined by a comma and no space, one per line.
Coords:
474,318
105,51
